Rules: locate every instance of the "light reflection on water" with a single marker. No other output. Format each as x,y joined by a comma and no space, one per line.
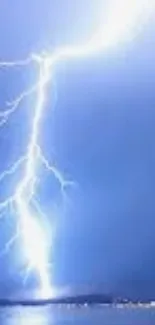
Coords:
26,316
77,316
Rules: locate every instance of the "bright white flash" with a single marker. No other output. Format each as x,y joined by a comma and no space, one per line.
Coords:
121,22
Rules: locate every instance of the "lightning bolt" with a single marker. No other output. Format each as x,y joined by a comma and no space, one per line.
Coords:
120,23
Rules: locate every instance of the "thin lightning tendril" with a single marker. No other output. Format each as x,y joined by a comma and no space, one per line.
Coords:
120,20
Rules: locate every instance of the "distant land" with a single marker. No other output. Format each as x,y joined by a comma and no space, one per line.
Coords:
85,299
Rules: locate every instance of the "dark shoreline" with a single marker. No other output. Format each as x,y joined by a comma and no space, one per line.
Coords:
80,300
72,300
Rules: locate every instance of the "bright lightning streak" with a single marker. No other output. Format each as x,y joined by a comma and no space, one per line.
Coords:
122,19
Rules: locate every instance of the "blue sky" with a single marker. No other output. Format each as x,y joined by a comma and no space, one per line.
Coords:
102,135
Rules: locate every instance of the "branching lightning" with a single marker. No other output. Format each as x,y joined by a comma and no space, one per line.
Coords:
121,21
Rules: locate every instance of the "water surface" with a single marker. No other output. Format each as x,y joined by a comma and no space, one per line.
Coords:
66,315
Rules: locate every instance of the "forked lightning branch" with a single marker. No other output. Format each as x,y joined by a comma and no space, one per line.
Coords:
120,24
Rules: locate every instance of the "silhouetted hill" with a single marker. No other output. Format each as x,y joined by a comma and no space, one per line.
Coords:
78,300
81,299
